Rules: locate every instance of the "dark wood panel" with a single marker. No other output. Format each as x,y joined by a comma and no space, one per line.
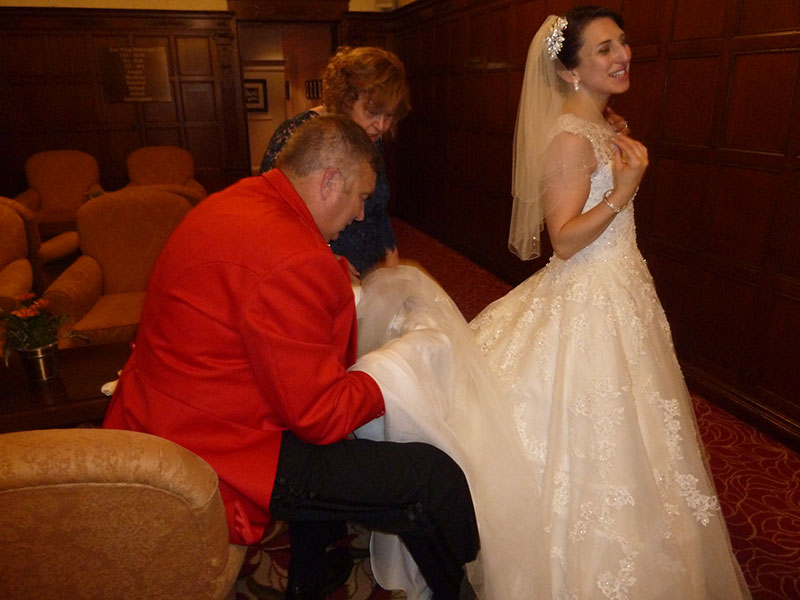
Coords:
52,91
155,113
725,307
24,56
641,106
198,101
643,22
789,261
498,41
698,19
70,57
676,218
778,366
194,56
524,20
742,215
676,287
757,77
164,136
688,113
758,17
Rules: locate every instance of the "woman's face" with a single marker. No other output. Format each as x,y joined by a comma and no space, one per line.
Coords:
605,58
374,121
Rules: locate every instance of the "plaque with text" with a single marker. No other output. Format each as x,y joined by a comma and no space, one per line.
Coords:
132,74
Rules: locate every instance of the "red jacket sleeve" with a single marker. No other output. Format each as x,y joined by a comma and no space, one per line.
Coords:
299,329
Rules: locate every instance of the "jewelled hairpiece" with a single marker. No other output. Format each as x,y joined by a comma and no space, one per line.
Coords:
555,40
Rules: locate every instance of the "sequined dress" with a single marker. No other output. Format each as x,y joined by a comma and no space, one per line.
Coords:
584,354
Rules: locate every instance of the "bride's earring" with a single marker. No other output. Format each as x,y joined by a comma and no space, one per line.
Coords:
575,85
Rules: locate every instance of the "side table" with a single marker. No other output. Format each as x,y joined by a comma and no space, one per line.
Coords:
71,399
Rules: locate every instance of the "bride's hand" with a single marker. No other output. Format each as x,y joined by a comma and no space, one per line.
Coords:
630,163
617,122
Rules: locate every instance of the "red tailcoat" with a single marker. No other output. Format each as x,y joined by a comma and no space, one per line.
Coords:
248,329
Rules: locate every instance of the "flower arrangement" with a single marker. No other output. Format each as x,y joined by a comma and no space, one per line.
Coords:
30,324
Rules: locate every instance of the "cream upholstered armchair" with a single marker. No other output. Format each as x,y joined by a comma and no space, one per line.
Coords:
59,182
62,246
169,168
16,273
121,234
102,514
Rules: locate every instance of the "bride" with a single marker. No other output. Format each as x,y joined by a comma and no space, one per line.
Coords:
573,422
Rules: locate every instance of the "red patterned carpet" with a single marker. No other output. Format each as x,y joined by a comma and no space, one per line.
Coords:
758,483
757,479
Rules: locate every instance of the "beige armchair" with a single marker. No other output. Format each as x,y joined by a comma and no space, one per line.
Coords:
16,273
59,182
169,168
62,247
121,234
102,514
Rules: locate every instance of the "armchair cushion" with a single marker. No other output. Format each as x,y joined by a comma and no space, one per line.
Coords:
113,317
61,246
96,513
16,274
59,182
16,278
125,231
121,234
170,168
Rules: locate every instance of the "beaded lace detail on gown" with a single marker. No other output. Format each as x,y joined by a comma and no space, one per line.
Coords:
584,353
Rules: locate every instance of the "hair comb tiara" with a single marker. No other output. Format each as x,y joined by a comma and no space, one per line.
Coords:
555,40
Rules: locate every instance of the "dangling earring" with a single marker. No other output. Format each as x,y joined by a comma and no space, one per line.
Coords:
575,85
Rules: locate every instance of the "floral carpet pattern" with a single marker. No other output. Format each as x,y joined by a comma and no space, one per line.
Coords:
264,574
757,478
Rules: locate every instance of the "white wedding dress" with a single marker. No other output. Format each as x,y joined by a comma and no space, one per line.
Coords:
585,356
438,389
572,423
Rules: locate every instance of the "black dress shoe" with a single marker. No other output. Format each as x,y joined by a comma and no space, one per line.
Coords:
338,565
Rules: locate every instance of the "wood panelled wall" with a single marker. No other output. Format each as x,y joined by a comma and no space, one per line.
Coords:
52,97
715,96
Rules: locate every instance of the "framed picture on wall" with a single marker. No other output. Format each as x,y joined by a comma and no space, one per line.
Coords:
255,95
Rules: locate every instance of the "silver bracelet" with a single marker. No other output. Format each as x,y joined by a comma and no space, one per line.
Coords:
608,204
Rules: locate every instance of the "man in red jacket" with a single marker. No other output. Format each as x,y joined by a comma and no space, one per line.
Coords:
242,356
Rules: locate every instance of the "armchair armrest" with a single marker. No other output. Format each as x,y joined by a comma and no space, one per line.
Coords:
59,246
193,192
30,198
94,191
197,188
77,289
16,278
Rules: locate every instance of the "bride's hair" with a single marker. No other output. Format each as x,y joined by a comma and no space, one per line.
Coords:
578,18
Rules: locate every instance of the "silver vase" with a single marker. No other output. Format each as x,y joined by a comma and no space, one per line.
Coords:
40,364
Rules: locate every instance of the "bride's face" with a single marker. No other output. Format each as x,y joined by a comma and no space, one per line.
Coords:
605,58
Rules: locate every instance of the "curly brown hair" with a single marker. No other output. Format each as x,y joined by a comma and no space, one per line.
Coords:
374,72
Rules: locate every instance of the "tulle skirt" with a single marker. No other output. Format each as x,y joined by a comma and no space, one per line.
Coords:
570,418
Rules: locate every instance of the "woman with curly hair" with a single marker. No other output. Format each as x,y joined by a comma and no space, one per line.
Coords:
369,85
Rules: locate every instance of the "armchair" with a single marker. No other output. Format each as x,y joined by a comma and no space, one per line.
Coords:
102,513
169,168
62,246
121,234
59,181
16,273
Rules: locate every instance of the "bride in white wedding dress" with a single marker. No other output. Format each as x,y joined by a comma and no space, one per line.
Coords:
572,423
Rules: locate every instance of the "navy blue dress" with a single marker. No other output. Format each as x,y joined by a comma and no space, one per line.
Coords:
362,243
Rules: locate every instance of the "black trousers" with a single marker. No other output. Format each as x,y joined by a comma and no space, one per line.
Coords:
411,489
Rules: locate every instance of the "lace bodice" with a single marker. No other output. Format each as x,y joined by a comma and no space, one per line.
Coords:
620,236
